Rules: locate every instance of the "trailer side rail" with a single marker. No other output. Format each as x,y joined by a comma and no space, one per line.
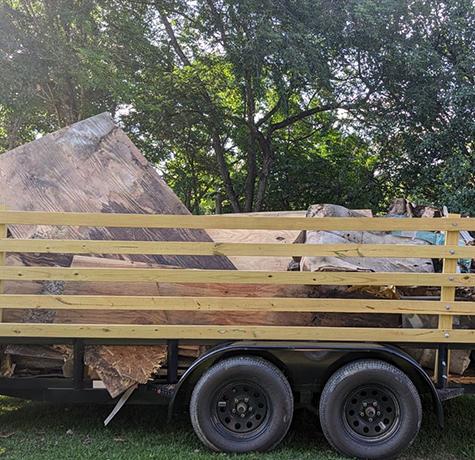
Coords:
445,308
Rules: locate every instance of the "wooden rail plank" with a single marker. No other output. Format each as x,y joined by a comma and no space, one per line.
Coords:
3,235
234,249
78,302
447,293
232,222
134,331
235,277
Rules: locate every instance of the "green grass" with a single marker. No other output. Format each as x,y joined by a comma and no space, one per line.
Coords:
40,431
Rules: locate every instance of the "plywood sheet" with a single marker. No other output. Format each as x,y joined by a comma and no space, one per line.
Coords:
92,166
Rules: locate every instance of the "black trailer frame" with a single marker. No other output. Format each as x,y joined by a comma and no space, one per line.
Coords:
306,364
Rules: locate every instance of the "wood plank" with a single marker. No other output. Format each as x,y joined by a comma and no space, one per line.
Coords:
277,263
181,290
234,332
237,277
234,249
84,302
118,220
3,257
447,293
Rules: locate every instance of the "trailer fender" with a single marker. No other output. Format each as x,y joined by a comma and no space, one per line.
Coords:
336,354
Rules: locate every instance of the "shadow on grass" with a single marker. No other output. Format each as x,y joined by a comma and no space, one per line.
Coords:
40,431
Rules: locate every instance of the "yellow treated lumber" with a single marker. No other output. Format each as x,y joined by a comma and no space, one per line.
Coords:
284,304
232,222
237,277
447,293
234,249
134,331
3,235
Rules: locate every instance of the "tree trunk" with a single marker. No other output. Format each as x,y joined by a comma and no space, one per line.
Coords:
267,163
224,171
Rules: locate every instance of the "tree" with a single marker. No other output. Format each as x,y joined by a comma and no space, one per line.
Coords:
245,71
425,132
59,62
249,105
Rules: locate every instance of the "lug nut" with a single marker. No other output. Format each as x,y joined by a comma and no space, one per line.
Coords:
246,400
365,404
243,415
375,403
250,409
370,420
362,414
378,413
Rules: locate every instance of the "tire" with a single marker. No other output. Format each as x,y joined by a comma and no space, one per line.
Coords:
370,409
242,404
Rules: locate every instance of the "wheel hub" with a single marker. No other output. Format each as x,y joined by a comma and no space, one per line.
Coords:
241,408
371,412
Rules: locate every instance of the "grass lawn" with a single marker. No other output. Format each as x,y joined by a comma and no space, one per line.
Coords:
43,431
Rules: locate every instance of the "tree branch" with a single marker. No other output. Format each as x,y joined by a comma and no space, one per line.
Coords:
308,113
172,37
270,113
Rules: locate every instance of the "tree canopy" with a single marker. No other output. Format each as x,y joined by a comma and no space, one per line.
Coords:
251,105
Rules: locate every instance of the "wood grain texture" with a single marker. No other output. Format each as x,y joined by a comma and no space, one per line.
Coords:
3,258
253,250
163,221
235,332
235,277
284,304
258,237
92,166
447,293
121,367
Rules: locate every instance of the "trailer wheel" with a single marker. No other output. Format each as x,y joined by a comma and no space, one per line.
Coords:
242,404
370,409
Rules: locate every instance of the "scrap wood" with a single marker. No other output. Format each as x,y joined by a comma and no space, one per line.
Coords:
121,367
259,236
92,166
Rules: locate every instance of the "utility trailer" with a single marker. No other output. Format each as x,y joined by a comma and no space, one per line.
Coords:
243,390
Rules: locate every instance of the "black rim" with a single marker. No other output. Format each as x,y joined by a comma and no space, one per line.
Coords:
371,412
241,408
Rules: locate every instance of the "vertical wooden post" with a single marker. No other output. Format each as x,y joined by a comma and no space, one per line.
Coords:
3,258
447,293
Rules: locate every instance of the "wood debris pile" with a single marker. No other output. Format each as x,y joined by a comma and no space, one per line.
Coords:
92,166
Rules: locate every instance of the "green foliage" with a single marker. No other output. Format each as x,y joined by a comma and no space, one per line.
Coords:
330,168
248,105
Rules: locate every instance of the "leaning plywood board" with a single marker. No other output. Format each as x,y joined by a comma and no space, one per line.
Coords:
92,166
